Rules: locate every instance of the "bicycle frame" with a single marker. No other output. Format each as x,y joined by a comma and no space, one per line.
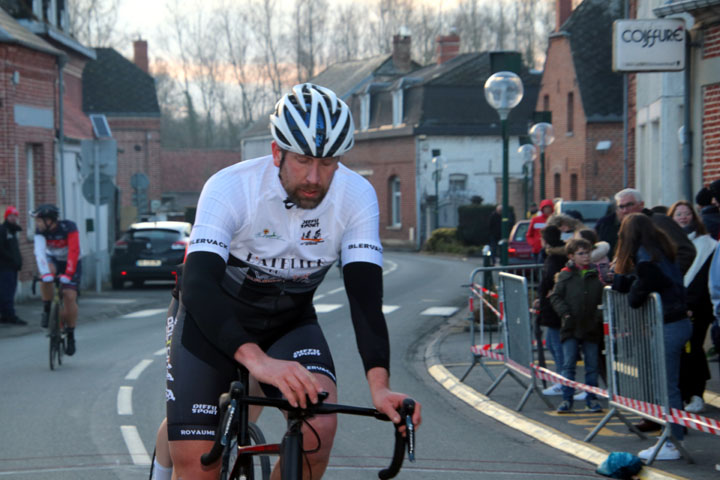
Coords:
290,450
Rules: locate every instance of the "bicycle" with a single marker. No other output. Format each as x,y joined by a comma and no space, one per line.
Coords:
56,334
233,435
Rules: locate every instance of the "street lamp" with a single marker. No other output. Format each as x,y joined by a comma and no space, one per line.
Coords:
527,153
542,134
503,91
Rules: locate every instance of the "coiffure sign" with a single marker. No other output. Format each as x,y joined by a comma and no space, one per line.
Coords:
648,45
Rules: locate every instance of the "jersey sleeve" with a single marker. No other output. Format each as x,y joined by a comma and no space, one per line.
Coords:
40,249
215,221
73,254
361,238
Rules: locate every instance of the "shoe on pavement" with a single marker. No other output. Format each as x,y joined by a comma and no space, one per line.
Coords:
70,347
44,320
554,389
648,426
695,405
565,407
667,452
593,406
580,396
17,321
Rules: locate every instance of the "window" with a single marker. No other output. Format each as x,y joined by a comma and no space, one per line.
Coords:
570,112
556,185
573,186
30,169
458,182
546,103
365,111
397,97
395,198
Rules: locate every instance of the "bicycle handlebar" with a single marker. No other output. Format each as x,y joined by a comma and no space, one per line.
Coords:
229,402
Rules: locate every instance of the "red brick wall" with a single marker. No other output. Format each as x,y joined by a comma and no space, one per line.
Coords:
711,46
603,171
138,141
187,170
711,132
387,158
38,76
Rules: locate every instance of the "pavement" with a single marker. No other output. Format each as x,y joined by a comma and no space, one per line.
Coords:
448,357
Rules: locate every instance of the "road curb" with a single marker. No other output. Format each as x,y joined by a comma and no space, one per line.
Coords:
537,430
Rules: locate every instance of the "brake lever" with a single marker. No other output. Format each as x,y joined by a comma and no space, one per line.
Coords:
408,410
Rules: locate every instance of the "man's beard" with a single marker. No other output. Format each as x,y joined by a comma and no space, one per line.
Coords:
304,202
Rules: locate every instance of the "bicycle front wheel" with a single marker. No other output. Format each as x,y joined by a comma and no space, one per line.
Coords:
257,438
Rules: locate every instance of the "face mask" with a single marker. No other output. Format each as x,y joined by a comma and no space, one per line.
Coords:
565,236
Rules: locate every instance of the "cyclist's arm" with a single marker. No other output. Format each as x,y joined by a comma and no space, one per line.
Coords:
73,240
41,255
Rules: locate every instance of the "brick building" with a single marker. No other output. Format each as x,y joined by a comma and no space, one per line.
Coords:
585,162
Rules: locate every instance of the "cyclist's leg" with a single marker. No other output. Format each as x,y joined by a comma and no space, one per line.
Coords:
69,313
162,469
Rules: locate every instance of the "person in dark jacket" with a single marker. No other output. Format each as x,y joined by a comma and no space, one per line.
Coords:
630,201
607,230
709,210
555,260
10,265
645,263
575,298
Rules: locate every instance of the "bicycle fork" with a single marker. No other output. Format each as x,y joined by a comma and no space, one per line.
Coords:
291,450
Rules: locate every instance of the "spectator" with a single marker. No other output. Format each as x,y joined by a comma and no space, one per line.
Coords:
555,260
10,265
532,211
495,227
709,198
575,298
537,223
607,229
630,201
599,257
694,369
645,263
567,224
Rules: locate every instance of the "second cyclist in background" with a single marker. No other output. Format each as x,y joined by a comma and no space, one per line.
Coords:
57,252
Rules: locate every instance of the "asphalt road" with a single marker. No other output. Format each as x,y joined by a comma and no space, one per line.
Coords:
96,416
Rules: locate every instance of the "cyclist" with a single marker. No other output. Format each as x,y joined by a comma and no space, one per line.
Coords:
57,252
266,232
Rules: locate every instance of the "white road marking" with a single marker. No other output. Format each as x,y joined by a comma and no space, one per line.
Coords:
327,307
162,351
124,400
145,313
138,369
391,266
389,308
135,445
439,311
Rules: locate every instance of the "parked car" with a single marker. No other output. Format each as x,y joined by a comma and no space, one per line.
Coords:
149,251
519,251
591,210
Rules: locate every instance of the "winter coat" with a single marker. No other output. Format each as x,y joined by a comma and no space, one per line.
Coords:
696,278
685,248
554,262
575,298
607,229
10,257
711,218
537,223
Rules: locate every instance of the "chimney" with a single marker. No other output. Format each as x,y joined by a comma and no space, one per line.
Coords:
401,52
563,10
448,47
141,55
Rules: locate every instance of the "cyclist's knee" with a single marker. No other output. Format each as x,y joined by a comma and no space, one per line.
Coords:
325,426
186,455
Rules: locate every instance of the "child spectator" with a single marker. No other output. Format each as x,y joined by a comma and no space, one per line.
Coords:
577,293
599,256
554,261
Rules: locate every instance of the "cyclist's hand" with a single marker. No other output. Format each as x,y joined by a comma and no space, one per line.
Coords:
48,278
294,381
389,402
64,279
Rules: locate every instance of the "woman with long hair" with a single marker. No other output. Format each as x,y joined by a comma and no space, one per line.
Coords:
644,264
694,369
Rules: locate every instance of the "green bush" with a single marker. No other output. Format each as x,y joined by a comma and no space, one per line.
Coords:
445,240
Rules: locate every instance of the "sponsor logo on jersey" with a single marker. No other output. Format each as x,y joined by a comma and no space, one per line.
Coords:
205,409
194,432
169,395
311,237
266,233
324,370
208,241
305,352
312,223
369,246
281,263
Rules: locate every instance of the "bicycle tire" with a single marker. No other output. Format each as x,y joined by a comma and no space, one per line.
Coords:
257,438
54,334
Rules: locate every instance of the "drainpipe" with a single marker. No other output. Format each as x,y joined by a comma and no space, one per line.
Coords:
687,140
61,130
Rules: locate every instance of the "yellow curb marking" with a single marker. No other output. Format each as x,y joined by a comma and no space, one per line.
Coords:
537,430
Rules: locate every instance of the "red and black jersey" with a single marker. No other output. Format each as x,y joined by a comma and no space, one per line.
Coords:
61,244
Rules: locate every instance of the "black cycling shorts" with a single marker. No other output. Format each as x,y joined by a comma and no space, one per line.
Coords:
194,384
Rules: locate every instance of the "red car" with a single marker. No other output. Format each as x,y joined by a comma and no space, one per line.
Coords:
519,251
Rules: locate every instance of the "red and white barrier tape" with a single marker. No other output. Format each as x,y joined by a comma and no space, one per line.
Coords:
545,374
477,286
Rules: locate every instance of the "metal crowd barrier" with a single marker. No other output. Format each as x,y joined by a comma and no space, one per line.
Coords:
518,352
635,353
483,287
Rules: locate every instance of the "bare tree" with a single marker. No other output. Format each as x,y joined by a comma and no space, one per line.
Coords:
265,20
428,25
391,16
94,22
310,22
348,25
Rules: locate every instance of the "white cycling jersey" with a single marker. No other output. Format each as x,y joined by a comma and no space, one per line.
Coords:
243,216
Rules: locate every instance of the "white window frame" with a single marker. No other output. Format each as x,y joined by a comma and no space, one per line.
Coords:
397,98
365,111
395,202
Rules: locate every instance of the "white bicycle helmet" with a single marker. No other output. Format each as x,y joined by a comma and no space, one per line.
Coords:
312,121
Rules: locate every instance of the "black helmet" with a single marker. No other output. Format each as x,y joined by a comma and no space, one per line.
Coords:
48,211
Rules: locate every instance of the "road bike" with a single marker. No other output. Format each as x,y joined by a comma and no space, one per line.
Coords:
56,331
233,437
